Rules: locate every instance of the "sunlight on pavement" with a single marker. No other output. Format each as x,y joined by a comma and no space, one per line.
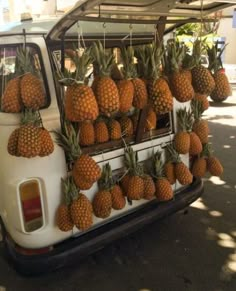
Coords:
216,180
229,268
199,204
215,213
226,241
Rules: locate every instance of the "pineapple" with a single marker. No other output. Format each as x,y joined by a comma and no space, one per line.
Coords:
169,171
151,120
63,216
12,146
149,187
159,92
200,126
114,130
195,144
135,187
80,209
126,86
102,201
117,197
202,80
213,163
31,86
106,92
181,88
125,183
102,204
202,99
87,167
80,101
182,137
182,172
84,168
29,143
140,93
47,145
164,190
101,131
86,133
81,182
222,87
11,100
214,166
126,126
199,167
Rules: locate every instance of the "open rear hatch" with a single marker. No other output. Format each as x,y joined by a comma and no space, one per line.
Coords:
171,12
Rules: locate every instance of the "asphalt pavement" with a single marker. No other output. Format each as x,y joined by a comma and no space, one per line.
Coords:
193,250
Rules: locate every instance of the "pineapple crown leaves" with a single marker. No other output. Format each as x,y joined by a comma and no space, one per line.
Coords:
25,60
173,154
185,119
207,150
68,140
175,54
82,64
141,54
127,56
199,46
155,53
131,162
66,193
214,56
197,109
74,191
30,116
104,61
158,165
106,181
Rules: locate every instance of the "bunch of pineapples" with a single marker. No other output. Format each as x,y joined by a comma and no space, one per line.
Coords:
186,140
222,87
175,169
202,79
159,93
105,89
31,139
206,161
80,102
25,90
133,184
110,195
85,170
180,83
164,191
75,209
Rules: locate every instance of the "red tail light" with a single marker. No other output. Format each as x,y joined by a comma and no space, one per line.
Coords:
31,205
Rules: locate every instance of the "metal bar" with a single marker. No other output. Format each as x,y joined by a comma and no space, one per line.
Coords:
139,21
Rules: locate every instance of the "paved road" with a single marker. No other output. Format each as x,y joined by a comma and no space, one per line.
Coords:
194,251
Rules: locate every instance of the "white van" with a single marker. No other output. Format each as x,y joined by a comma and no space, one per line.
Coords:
31,187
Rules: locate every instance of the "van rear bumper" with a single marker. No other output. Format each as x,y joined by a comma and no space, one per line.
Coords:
72,250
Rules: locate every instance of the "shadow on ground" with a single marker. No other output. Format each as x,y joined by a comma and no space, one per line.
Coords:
192,250
221,104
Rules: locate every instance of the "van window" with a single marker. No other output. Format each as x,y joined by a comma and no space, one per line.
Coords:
22,79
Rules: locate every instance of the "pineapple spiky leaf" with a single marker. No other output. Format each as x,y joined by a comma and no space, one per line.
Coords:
68,140
104,60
